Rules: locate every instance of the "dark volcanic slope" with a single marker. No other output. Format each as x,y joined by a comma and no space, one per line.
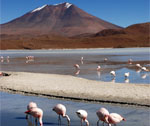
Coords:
133,36
62,19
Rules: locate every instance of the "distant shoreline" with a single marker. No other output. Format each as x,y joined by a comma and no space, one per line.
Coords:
69,48
73,88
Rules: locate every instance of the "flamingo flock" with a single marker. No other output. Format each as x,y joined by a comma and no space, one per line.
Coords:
113,73
3,58
98,69
102,114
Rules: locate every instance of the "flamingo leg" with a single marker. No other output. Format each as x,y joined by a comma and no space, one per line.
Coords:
109,124
36,121
81,122
98,123
27,116
103,123
59,120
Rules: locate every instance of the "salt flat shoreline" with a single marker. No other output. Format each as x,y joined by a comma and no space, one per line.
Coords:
69,87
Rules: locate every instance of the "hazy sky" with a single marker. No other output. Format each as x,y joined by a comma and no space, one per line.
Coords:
119,12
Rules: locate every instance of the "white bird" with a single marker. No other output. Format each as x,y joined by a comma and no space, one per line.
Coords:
61,111
7,57
82,60
126,74
2,57
143,76
77,66
144,69
126,80
138,65
113,73
82,114
105,59
130,61
37,113
98,68
101,113
114,118
30,106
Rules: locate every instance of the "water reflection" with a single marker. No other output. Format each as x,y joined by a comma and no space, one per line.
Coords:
143,76
113,80
77,72
13,110
126,80
99,74
30,123
61,62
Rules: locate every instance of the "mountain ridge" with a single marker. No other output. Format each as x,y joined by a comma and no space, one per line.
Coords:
56,19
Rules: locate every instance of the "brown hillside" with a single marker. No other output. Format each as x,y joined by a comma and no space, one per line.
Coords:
132,36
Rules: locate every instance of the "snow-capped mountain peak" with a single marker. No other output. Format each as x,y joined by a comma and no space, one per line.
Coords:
68,5
39,8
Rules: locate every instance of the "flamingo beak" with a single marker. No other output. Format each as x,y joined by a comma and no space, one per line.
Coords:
27,112
124,119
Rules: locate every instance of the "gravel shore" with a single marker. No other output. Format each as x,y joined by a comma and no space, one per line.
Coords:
69,87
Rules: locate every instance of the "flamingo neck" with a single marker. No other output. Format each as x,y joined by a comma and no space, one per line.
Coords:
87,122
40,120
68,119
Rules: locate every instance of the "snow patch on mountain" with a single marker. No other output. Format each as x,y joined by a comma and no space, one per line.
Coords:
39,8
68,5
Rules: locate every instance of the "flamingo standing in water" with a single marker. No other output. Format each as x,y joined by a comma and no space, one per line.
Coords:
37,113
126,75
61,111
114,118
77,66
82,114
130,61
144,69
105,59
101,113
98,68
138,65
30,106
82,60
113,73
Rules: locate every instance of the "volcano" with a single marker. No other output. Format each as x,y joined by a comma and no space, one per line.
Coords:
63,19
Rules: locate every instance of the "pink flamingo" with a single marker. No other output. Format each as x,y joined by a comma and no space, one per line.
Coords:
114,118
61,111
30,106
113,73
101,113
82,114
126,75
98,68
144,69
138,65
1,74
37,113
77,66
105,59
130,61
82,60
